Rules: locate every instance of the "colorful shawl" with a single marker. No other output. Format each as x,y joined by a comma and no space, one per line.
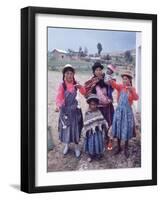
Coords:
93,120
92,83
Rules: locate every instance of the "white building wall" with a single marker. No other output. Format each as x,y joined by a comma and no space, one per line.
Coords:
138,70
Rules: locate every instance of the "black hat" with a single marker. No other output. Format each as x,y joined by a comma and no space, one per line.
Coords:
68,67
93,97
97,65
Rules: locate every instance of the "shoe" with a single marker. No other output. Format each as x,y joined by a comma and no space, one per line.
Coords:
77,153
109,146
66,148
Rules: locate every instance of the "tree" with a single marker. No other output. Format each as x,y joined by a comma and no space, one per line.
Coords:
70,52
99,47
128,56
80,51
85,51
108,57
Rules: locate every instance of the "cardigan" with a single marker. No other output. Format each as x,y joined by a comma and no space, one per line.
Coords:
70,88
132,95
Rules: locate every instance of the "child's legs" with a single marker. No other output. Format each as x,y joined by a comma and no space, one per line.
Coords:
77,150
126,152
126,144
118,146
66,148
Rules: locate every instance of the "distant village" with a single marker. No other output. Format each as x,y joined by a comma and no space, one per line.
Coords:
81,58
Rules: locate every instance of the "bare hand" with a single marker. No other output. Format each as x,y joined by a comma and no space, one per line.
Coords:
57,109
78,86
109,82
109,100
129,88
95,79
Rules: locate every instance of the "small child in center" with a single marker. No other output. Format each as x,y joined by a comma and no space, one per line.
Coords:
94,127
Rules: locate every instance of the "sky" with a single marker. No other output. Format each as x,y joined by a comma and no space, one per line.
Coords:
70,38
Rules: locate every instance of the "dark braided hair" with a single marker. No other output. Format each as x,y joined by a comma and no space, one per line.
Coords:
64,85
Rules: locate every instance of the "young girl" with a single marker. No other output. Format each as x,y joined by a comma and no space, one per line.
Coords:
123,127
70,118
94,124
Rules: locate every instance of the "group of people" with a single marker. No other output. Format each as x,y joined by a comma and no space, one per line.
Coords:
101,122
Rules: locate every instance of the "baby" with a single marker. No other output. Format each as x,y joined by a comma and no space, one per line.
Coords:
109,75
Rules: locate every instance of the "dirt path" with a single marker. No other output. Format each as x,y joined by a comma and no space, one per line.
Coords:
58,162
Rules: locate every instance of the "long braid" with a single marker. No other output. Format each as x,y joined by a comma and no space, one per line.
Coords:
64,85
74,82
130,79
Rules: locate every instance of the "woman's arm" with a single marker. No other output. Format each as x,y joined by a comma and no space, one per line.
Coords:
90,84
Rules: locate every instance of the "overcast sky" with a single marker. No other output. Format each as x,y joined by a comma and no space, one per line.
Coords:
65,38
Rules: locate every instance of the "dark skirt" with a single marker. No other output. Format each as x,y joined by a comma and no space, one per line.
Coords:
94,143
108,112
70,125
123,126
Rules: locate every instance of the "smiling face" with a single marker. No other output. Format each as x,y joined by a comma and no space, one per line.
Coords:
69,76
126,81
98,72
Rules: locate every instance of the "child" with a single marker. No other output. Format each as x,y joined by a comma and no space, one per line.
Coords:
94,124
123,126
70,118
109,75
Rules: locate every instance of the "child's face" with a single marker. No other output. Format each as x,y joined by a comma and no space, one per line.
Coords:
109,71
98,72
93,106
126,81
69,76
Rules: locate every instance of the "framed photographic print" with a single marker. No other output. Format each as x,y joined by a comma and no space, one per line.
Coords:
88,99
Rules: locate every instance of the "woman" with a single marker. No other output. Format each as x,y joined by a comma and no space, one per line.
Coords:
70,118
96,85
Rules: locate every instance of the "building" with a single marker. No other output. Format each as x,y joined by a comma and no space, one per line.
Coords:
60,55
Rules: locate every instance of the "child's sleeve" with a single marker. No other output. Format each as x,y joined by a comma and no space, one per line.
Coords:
134,94
60,96
82,90
115,85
